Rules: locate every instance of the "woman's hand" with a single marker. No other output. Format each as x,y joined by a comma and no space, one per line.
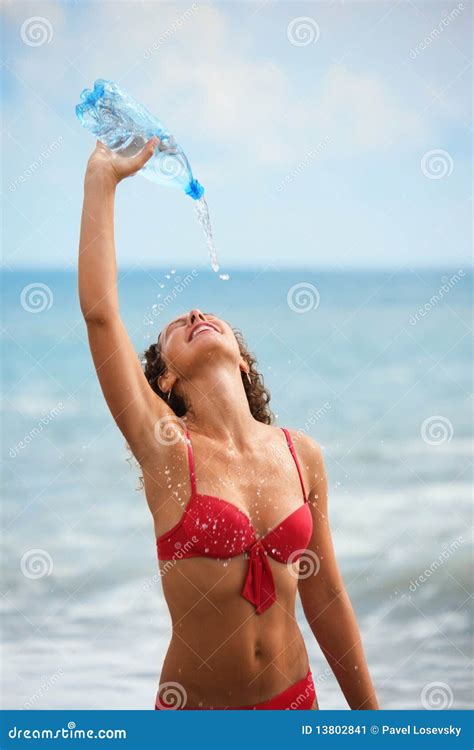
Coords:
104,162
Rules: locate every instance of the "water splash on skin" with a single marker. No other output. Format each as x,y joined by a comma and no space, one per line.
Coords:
202,211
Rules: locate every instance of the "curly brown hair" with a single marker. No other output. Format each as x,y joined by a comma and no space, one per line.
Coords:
257,395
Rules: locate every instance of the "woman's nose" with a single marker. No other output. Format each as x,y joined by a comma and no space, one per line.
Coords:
195,315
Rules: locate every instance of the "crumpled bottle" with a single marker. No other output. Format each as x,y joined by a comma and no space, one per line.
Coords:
125,125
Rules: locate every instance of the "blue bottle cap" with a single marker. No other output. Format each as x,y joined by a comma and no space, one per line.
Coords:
195,190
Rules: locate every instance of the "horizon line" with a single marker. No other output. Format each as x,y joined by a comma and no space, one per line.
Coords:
264,268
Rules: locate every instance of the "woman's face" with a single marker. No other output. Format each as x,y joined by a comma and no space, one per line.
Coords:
191,339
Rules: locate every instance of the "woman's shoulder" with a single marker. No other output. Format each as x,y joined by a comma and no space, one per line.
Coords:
307,448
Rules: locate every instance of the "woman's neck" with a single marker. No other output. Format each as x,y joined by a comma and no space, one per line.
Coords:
218,406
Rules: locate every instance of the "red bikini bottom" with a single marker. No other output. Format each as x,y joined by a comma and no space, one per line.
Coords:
299,696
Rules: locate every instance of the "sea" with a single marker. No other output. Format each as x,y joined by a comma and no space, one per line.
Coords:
375,365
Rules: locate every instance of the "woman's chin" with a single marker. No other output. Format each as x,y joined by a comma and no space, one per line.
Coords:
209,341
209,333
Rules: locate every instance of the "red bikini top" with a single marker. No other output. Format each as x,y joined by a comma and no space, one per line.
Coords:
212,527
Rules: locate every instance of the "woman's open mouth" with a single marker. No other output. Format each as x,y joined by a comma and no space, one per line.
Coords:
202,328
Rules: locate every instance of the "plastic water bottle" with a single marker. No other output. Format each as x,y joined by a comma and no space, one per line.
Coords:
124,125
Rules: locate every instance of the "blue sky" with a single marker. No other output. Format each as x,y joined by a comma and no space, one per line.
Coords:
331,134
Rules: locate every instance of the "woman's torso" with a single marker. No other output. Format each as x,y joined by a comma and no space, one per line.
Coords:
222,652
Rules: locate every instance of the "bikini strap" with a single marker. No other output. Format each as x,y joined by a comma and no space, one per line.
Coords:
192,473
295,458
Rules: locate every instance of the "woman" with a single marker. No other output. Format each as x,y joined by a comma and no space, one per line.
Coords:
238,504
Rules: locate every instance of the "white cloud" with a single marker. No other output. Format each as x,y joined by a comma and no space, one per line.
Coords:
250,100
225,85
364,113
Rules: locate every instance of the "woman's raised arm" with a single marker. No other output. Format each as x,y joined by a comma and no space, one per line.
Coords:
132,402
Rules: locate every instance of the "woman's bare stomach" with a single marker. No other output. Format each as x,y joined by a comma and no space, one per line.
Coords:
221,652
